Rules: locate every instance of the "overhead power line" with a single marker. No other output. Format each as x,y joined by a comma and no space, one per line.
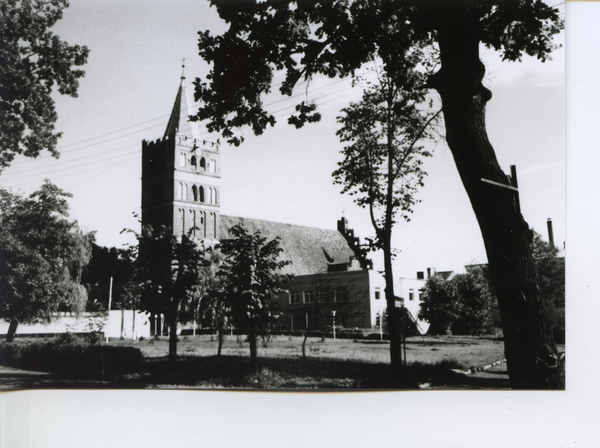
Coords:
62,163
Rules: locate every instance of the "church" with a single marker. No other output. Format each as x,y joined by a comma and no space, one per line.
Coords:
333,284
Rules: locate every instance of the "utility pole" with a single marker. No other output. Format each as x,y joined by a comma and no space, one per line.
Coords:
109,304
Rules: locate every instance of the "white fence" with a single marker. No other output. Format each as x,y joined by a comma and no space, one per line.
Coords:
108,323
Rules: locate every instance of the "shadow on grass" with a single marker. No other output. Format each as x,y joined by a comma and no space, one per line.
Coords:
236,372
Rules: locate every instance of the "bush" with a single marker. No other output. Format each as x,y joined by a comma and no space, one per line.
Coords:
264,379
71,356
461,305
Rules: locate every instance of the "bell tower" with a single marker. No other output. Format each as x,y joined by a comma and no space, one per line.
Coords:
181,177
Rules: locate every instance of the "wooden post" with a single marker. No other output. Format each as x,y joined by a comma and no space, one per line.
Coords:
514,182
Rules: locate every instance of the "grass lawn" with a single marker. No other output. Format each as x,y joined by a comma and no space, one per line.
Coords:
465,350
329,363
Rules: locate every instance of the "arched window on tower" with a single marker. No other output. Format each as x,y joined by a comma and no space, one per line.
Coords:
211,195
185,192
180,191
203,163
182,217
193,162
195,193
201,193
216,202
213,165
182,158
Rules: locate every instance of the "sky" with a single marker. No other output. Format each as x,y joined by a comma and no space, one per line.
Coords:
132,76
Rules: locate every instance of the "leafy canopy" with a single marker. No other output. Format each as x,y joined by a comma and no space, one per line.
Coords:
168,269
251,265
461,304
382,165
42,255
550,271
334,38
33,61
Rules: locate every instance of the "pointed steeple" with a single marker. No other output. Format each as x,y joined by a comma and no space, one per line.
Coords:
179,122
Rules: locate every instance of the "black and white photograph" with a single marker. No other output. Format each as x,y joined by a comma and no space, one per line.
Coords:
341,195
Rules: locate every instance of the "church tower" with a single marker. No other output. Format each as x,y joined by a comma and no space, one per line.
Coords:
181,177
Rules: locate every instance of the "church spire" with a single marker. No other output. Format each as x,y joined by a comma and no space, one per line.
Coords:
179,122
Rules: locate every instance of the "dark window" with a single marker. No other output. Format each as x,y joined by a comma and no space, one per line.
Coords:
339,296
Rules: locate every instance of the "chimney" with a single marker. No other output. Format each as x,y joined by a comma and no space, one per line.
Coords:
550,234
430,272
341,225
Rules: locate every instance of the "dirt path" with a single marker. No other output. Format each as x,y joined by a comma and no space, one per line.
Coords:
494,378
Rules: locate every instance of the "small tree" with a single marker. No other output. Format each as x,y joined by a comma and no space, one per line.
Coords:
32,61
169,270
382,165
460,305
251,264
42,256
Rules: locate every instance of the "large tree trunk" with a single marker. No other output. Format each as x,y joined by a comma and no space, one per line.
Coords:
12,330
531,354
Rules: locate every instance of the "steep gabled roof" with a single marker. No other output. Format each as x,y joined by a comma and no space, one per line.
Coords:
179,120
309,249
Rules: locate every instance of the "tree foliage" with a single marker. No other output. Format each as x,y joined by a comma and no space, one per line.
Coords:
550,271
460,305
336,38
170,271
33,61
42,256
251,265
107,263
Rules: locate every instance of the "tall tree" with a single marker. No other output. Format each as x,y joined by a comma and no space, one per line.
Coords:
42,256
381,168
32,61
170,270
251,265
334,38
